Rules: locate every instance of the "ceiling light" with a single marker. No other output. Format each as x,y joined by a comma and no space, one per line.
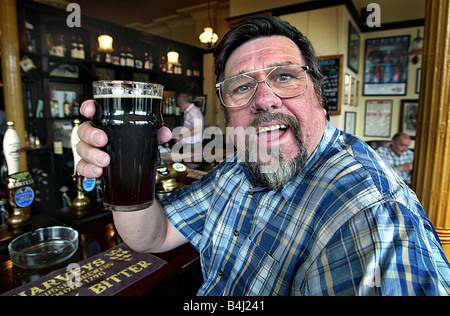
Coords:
208,36
105,43
172,57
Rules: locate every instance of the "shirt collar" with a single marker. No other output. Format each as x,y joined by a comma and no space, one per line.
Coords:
189,107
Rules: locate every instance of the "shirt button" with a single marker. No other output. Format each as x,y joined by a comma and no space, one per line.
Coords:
220,273
236,233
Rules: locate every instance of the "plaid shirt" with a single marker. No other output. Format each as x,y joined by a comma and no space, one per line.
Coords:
394,160
347,225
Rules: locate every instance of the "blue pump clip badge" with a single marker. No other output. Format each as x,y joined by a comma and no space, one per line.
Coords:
24,196
88,184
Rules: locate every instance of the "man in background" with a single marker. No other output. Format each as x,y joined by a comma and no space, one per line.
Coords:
192,133
398,156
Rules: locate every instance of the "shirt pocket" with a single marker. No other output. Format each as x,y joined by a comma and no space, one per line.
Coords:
255,271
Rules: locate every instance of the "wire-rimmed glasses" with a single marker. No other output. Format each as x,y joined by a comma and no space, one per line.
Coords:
286,81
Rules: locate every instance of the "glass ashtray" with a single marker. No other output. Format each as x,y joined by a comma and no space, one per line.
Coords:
44,247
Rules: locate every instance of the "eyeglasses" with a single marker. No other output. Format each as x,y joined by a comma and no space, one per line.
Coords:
284,81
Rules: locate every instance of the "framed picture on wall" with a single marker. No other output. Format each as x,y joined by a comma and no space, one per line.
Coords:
386,63
356,92
200,102
347,88
408,117
352,91
378,118
418,80
331,67
350,122
353,48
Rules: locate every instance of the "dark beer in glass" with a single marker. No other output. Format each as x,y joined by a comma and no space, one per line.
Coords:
130,113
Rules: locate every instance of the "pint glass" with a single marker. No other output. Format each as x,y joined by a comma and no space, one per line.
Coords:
130,114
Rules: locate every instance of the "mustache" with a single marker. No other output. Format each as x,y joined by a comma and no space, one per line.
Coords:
286,119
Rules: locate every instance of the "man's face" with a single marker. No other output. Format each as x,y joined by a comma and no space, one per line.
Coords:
400,145
278,122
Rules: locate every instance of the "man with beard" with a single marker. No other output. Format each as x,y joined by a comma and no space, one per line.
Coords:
301,208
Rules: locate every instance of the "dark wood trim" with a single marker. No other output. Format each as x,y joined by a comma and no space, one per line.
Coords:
314,5
394,25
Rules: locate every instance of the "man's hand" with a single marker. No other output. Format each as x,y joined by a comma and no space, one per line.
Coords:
405,167
92,139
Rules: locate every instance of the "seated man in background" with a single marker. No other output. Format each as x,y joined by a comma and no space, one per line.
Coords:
398,156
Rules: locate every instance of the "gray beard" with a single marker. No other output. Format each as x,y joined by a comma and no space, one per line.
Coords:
277,174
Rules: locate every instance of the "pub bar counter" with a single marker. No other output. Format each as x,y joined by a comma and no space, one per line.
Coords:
180,275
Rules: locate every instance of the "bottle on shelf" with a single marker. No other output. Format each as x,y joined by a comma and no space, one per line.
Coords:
178,69
40,109
81,53
150,59
123,57
29,105
169,68
108,58
67,107
61,45
54,106
146,61
74,47
75,108
130,57
195,69
30,37
163,64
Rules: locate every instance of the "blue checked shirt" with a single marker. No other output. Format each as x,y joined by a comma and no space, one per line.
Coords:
395,160
347,225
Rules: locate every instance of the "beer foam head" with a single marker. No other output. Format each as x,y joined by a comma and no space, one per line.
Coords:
123,95
126,89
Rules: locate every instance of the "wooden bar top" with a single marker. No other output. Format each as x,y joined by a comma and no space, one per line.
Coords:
96,237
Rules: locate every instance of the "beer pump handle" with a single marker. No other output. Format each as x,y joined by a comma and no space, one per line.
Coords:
74,139
81,182
11,148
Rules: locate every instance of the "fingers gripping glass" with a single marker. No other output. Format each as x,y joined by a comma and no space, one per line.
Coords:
284,81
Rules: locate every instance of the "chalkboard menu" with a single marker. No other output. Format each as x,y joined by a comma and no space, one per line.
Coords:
331,67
